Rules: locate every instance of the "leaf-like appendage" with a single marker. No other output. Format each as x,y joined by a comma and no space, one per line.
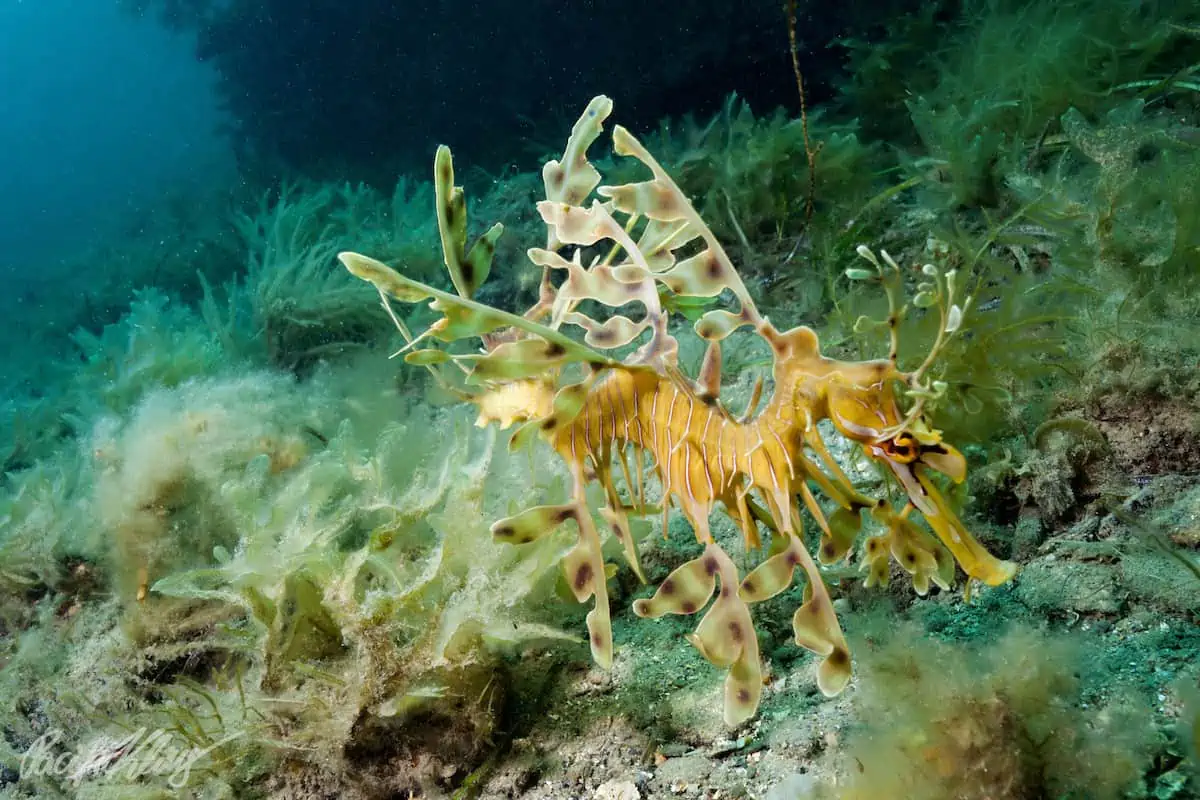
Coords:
386,279
578,225
532,523
524,434
816,628
743,687
467,271
844,527
426,358
718,324
650,198
773,575
698,276
524,358
684,591
570,399
573,178
722,633
811,625
616,331
464,322
478,264
875,562
586,575
462,317
619,525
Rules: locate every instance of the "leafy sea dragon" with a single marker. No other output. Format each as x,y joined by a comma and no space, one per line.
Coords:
607,417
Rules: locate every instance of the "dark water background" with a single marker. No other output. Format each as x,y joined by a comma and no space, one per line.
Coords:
102,112
110,105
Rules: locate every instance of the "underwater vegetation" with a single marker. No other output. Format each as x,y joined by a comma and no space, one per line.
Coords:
225,515
1008,721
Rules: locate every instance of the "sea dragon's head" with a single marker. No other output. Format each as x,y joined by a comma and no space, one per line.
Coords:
911,448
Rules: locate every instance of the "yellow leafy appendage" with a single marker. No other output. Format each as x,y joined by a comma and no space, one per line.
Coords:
641,415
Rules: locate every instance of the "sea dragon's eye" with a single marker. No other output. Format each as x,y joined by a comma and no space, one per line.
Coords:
903,448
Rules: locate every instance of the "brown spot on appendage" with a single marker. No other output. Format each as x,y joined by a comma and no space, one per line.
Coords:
444,171
583,576
468,272
828,550
709,400
934,448
598,641
555,350
549,424
603,336
667,587
617,532
714,268
688,608
564,515
749,585
450,214
793,558
735,631
664,200
556,179
839,657
710,566
504,531
743,695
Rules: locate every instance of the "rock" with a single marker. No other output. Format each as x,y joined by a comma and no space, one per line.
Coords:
617,790
793,787
1029,535
1056,584
1160,580
692,770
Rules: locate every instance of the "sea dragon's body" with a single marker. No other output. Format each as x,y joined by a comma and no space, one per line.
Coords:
755,465
704,454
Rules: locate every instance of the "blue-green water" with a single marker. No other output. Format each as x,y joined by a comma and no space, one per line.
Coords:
243,553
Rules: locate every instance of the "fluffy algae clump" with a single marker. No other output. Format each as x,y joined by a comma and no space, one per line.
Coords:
618,416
